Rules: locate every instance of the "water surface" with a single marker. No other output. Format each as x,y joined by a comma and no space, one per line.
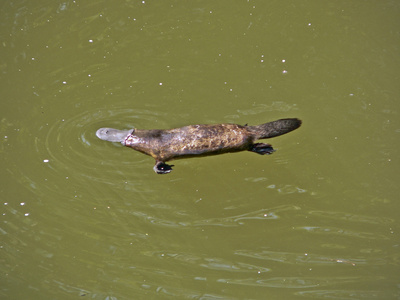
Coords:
82,218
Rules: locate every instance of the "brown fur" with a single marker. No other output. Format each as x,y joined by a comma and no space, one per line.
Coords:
195,140
198,140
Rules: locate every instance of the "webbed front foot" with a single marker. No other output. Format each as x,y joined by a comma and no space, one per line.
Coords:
162,168
262,148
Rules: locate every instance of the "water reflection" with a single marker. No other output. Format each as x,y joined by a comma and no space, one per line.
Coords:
213,263
302,258
230,221
274,106
348,294
344,232
345,216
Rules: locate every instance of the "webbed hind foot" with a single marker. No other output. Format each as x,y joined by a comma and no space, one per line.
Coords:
262,148
162,168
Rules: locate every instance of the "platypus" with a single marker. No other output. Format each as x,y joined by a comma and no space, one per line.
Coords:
198,140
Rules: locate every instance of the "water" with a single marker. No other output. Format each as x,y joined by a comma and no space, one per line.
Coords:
84,218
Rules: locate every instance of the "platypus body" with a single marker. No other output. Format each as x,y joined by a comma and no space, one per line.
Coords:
198,140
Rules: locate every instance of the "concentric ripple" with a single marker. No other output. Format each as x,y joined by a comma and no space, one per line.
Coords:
71,149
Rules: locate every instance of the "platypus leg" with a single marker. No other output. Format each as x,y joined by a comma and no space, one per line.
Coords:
162,168
262,148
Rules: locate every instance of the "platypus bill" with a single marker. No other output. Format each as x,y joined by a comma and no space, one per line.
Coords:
198,140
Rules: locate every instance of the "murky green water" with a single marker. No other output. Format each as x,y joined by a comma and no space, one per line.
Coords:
82,218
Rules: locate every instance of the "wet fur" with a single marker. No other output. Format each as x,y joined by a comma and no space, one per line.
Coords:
201,140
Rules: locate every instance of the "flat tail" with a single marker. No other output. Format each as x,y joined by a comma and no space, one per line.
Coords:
275,128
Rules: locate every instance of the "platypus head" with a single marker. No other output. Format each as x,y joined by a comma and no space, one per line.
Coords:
114,135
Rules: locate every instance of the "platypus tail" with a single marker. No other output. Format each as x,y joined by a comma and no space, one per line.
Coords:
275,128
